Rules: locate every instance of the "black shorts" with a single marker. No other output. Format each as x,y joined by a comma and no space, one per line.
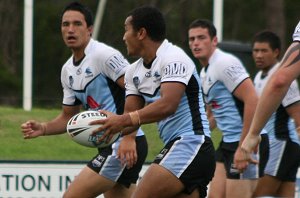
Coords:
111,168
191,160
284,160
225,154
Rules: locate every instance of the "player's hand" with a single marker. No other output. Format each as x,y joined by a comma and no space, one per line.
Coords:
111,125
251,143
242,159
127,151
32,129
242,156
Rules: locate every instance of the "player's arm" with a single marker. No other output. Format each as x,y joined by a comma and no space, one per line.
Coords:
32,128
246,93
171,93
127,149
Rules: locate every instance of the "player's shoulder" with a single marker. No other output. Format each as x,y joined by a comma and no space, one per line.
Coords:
221,56
169,52
97,48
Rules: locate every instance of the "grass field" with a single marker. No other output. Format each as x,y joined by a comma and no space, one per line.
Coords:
59,147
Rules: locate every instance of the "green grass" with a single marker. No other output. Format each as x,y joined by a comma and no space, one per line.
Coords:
58,147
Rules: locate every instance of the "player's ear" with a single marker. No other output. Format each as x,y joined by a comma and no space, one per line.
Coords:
142,33
90,30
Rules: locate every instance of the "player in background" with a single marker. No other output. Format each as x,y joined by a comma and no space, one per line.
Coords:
230,98
284,154
93,77
275,89
165,79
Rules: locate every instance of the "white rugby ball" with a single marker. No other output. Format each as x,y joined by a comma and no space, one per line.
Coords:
81,132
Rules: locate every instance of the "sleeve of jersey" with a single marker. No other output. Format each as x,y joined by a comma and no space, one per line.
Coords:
177,71
231,72
130,87
292,95
69,96
296,35
115,66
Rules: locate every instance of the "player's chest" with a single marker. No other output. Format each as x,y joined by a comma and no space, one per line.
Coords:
147,81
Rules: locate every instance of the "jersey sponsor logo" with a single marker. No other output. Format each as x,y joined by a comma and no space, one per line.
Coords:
88,73
234,72
136,81
117,62
175,69
71,81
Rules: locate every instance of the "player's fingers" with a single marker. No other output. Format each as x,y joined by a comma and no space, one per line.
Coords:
100,122
107,113
129,159
253,161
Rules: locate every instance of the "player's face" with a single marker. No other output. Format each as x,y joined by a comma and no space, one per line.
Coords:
264,56
131,39
201,44
74,30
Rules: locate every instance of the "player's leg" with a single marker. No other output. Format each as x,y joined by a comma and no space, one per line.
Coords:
184,166
287,189
86,184
158,182
120,191
267,186
126,183
217,187
236,188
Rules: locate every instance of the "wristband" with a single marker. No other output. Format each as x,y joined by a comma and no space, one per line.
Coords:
135,118
44,128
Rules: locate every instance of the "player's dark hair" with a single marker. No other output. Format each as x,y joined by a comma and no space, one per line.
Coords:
151,19
87,13
206,24
267,36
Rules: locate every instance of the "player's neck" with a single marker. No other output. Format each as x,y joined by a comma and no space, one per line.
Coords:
150,52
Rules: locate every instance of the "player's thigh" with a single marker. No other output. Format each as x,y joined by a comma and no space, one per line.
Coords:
158,182
286,189
236,188
88,184
120,191
267,186
217,187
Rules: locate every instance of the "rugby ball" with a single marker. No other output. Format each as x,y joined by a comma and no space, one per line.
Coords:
80,131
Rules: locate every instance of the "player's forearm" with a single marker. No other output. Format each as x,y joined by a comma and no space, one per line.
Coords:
267,104
249,110
54,127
